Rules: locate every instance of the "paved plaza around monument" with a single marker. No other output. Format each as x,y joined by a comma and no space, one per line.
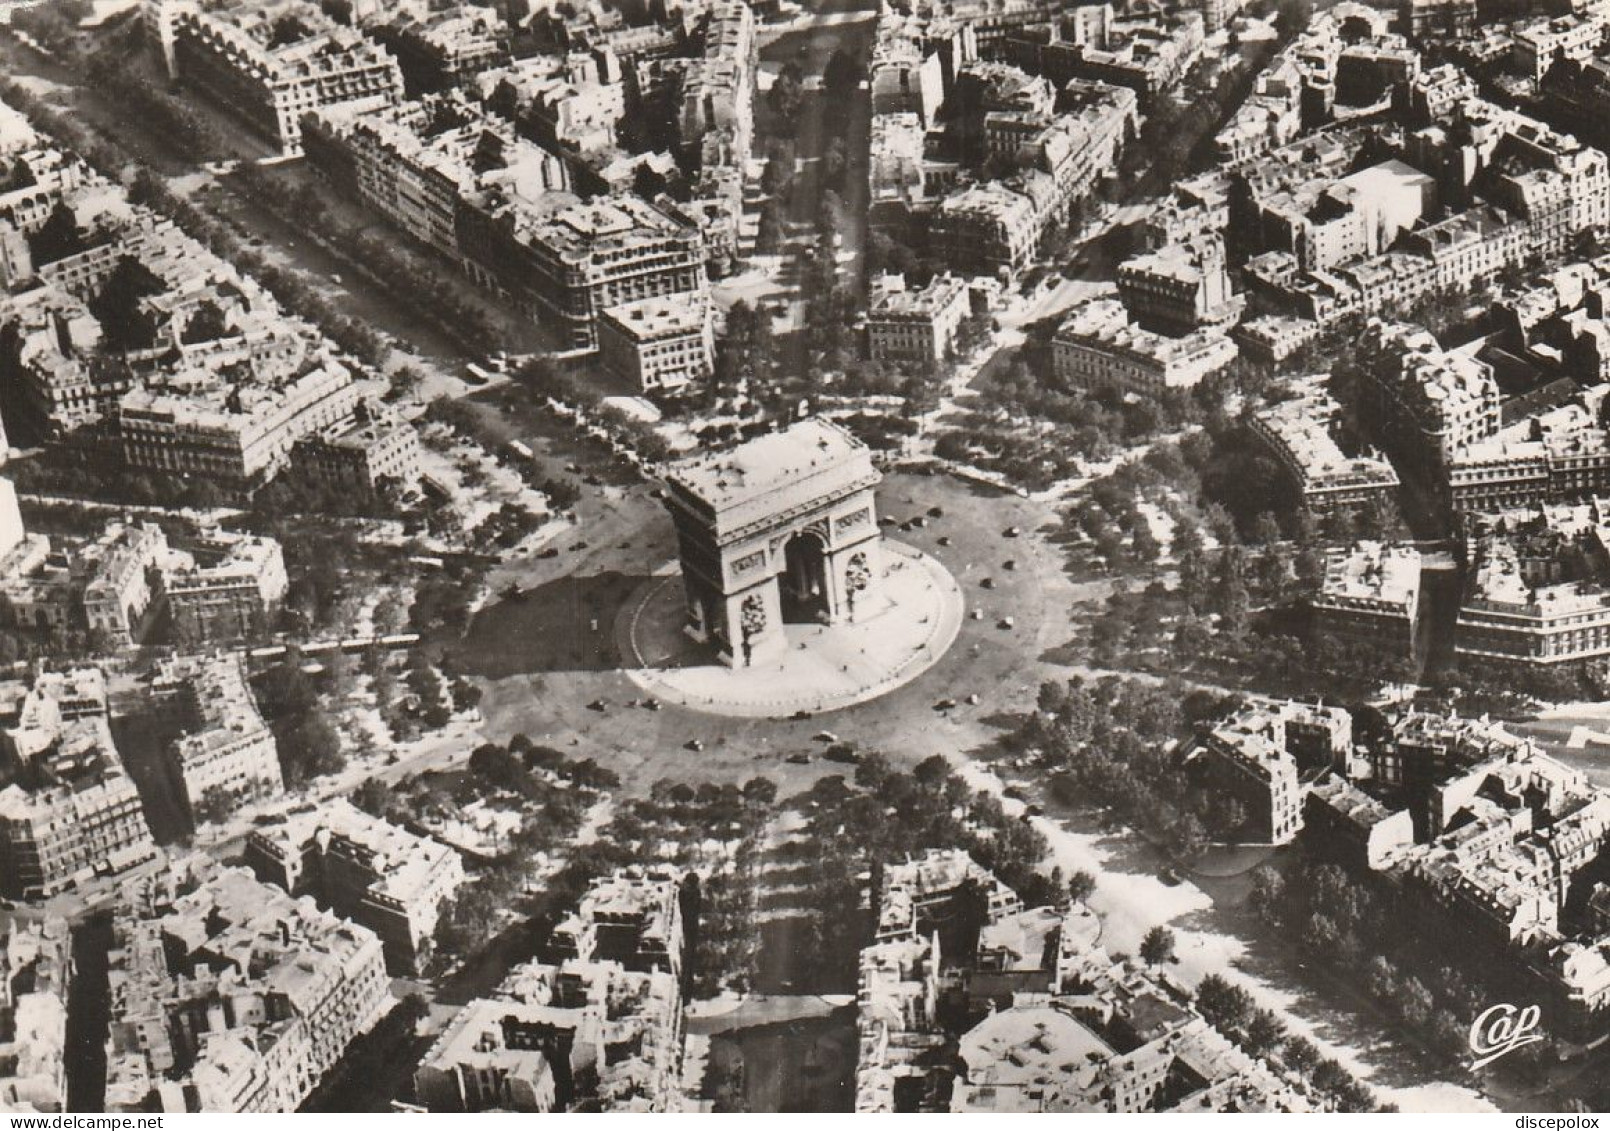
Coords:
823,669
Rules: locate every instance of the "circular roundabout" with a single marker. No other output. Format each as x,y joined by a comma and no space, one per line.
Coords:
823,668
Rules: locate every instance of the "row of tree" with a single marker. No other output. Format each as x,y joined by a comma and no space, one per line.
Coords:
438,297
1355,929
1110,742
1232,1011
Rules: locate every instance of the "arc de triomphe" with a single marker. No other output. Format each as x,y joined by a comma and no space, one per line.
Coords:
782,529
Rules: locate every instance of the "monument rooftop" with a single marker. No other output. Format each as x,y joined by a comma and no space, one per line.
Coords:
808,462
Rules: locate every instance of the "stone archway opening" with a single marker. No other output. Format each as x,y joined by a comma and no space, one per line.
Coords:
803,584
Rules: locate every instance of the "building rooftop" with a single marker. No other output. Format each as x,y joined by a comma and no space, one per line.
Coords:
651,318
923,302
200,932
1349,801
405,865
35,969
1301,429
602,227
1374,572
1386,179
1105,323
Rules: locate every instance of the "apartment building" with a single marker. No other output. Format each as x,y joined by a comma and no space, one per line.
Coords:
1512,833
443,49
1300,434
69,810
228,408
117,572
991,228
42,177
1098,345
36,968
1506,620
1242,761
272,61
1180,288
1271,116
1061,1028
60,387
633,917
415,162
919,324
1258,755
228,995
1427,402
216,586
365,869
1328,224
1521,189
1535,591
1370,597
658,345
1343,65
577,101
198,424
375,448
910,63
1537,44
1148,53
222,587
226,755
716,114
917,889
580,1034
1480,833
601,1027
1346,824
1430,19
570,266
